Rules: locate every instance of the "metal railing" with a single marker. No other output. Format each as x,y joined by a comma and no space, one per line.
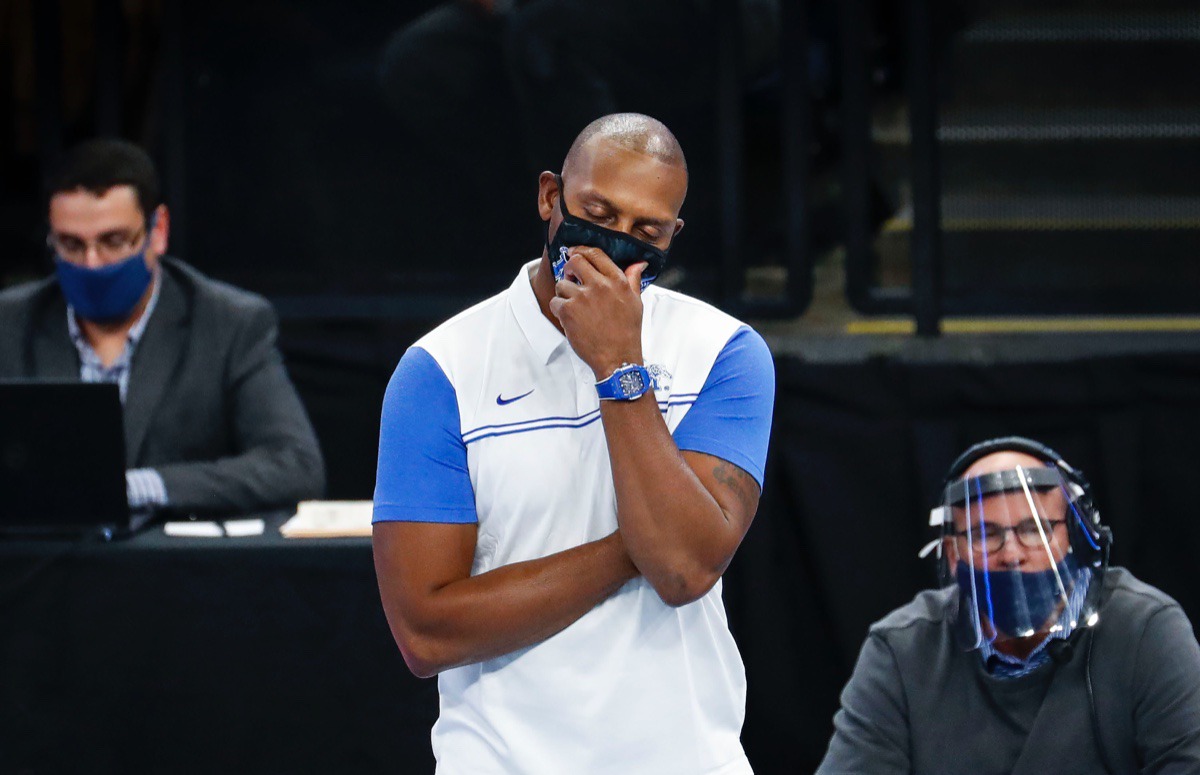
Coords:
922,299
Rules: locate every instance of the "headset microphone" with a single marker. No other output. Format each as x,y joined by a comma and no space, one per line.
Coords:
1061,650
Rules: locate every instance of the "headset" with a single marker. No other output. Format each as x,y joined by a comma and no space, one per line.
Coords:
1092,543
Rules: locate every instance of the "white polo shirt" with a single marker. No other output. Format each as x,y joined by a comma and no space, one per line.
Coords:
492,418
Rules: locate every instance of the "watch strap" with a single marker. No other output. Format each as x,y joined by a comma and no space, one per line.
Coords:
628,382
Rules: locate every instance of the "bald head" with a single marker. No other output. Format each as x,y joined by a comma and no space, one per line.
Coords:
1005,460
626,173
631,131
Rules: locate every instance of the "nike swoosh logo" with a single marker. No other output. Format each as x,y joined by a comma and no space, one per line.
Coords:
501,400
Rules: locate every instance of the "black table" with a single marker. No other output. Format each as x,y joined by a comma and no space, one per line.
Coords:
165,654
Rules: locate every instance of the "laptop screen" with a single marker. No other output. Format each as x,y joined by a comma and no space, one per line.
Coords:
62,457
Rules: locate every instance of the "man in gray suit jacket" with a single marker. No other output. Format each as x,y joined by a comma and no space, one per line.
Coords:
213,425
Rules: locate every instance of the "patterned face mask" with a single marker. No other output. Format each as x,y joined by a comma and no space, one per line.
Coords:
623,249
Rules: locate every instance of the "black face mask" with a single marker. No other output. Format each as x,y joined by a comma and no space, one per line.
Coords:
624,250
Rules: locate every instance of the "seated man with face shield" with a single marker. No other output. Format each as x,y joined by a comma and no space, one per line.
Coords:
1034,656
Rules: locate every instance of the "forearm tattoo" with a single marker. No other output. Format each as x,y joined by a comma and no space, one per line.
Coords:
741,484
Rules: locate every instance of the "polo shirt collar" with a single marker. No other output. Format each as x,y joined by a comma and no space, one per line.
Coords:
541,334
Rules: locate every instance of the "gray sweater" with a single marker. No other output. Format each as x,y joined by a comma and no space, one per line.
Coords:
918,703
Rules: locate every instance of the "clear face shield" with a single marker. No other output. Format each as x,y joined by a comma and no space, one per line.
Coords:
1009,541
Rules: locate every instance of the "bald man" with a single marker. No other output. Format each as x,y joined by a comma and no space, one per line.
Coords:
1035,657
565,472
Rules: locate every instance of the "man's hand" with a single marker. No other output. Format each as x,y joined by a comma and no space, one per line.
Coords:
600,309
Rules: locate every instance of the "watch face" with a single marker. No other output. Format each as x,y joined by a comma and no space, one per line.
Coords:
632,383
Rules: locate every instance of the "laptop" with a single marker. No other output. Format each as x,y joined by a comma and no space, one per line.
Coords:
62,461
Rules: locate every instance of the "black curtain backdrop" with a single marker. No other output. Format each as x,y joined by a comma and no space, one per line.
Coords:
858,453
253,654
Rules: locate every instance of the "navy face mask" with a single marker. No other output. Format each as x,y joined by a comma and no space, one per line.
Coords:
1018,600
624,250
106,294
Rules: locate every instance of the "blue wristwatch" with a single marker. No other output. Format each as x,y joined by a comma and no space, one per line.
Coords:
627,383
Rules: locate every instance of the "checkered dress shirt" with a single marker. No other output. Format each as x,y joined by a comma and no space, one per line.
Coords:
1007,666
144,487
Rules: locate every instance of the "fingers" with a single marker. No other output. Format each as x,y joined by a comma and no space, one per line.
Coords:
598,259
565,291
634,275
583,269
567,288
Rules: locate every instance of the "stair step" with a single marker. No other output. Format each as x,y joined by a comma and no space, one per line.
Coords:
1098,6
1166,168
1082,74
1114,272
1039,125
997,125
1052,28
1052,213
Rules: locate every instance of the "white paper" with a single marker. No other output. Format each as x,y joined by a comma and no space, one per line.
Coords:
236,528
193,529
329,519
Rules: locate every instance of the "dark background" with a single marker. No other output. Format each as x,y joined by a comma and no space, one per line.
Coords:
268,655
1064,173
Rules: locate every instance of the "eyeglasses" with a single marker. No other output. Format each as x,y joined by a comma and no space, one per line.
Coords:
992,537
109,246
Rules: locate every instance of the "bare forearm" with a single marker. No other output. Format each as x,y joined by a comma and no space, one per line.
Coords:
674,530
676,520
508,608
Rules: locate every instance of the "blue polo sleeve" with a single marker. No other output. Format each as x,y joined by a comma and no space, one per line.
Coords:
422,474
731,418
